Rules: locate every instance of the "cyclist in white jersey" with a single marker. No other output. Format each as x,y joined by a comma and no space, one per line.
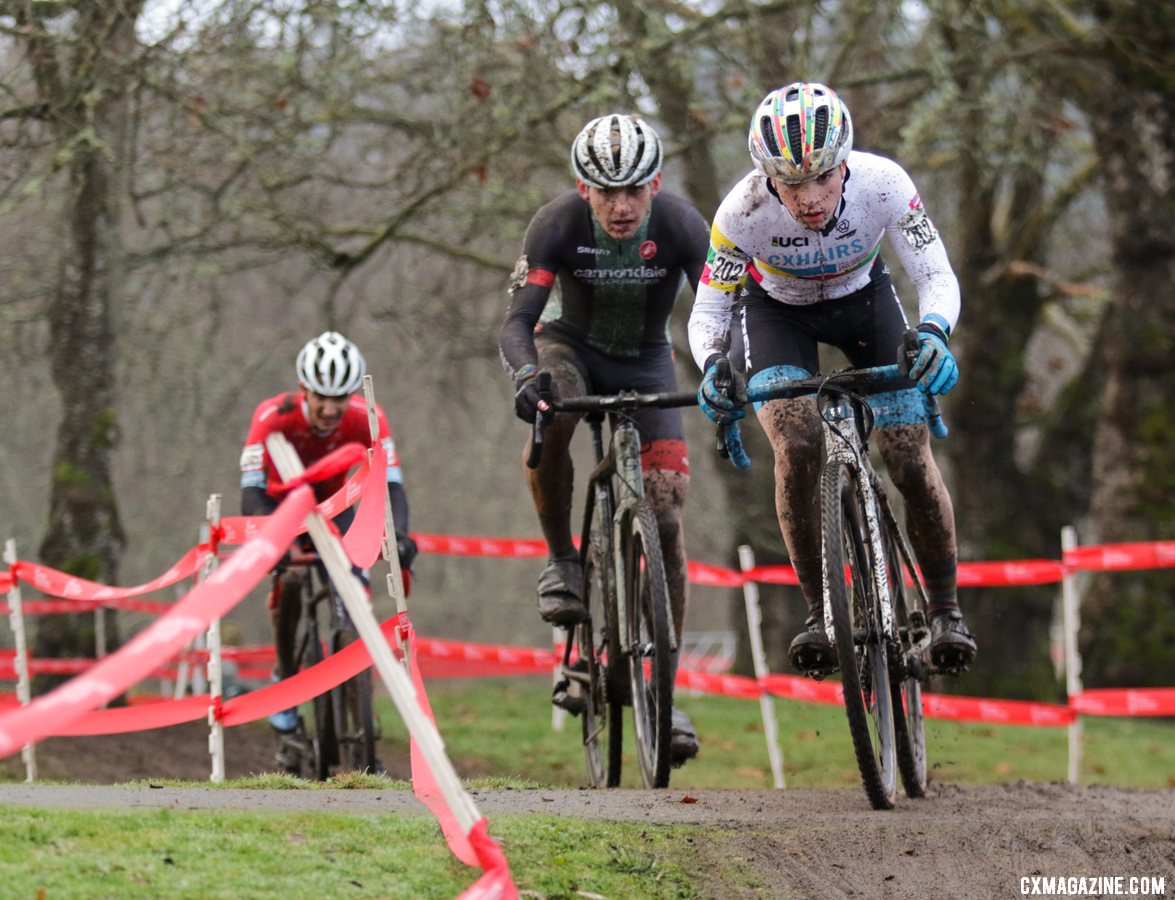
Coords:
797,243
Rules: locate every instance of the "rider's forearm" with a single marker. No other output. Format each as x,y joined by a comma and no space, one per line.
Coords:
516,339
930,270
709,324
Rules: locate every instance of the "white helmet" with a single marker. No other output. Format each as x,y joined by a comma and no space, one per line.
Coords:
331,365
800,132
616,151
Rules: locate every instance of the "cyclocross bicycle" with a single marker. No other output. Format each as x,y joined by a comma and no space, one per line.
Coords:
622,654
875,604
342,731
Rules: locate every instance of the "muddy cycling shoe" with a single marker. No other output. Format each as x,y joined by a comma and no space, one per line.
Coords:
811,653
287,758
560,593
683,740
952,646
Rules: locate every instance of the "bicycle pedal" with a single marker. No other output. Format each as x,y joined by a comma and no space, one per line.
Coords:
952,663
951,669
819,675
915,667
815,665
563,698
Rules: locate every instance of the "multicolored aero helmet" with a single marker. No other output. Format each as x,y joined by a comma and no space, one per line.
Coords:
799,132
331,365
616,151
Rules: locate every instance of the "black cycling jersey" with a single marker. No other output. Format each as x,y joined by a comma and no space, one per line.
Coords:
616,295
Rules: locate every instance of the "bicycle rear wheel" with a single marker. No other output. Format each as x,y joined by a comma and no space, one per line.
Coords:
906,683
646,643
321,729
354,718
857,630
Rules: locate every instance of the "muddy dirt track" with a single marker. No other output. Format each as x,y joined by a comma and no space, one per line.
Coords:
962,841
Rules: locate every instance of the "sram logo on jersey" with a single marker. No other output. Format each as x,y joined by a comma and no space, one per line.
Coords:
592,251
632,274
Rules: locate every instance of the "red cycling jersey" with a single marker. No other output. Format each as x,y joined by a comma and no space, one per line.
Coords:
286,413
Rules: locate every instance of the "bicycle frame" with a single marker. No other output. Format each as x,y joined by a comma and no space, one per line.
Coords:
845,443
880,654
628,636
333,742
617,485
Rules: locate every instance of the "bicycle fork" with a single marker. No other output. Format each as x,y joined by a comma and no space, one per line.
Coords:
626,451
845,446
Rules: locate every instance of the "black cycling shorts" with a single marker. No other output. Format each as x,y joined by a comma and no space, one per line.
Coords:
867,326
662,437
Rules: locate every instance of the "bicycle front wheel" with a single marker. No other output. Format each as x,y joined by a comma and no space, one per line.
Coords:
354,719
858,634
321,731
647,643
602,716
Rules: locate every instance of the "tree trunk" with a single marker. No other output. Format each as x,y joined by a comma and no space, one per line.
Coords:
85,536
1129,620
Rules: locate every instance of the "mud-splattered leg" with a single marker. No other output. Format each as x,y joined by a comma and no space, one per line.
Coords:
930,516
794,430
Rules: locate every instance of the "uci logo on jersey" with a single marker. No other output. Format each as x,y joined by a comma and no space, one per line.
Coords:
790,241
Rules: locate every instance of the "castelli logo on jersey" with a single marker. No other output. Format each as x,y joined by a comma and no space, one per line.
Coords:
648,250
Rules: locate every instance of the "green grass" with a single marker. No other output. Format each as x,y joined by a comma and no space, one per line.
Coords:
201,854
502,727
499,734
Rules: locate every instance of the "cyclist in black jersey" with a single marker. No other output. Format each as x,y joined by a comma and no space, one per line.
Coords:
619,249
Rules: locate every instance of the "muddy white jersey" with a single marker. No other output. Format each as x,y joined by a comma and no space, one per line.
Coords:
755,236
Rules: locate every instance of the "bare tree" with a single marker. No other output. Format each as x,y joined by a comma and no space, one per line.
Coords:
81,61
246,173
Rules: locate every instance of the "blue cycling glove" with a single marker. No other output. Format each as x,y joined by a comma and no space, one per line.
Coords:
714,396
935,369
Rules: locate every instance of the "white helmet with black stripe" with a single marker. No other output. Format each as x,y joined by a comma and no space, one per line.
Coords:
616,150
331,365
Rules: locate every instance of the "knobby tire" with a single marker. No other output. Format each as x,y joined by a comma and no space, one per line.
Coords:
860,645
354,718
321,730
909,726
647,644
599,640
601,735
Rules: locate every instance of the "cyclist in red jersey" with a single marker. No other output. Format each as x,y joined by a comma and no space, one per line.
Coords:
324,414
